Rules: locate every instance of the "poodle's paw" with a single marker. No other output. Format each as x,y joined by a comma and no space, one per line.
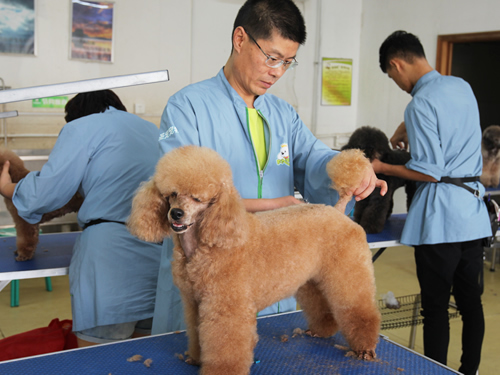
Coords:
23,256
192,362
365,355
329,332
308,332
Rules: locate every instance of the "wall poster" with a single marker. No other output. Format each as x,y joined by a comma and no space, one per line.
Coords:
336,82
92,30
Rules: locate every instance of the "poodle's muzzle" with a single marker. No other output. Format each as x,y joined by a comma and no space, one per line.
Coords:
176,214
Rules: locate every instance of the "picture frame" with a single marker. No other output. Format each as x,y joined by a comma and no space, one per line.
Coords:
17,27
92,30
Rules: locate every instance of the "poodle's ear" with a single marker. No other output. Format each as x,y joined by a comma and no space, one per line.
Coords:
224,221
148,218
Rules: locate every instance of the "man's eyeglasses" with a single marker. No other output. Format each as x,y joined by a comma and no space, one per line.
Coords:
274,62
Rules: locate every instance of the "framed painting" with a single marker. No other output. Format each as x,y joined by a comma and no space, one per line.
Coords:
92,30
17,26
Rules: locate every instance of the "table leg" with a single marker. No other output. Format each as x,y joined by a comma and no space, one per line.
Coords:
378,253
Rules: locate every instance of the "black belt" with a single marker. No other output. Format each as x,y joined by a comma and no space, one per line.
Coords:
99,221
460,181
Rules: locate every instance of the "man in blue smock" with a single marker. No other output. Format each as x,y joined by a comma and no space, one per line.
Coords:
104,153
269,148
446,223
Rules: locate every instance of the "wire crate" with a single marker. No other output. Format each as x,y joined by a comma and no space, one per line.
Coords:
408,314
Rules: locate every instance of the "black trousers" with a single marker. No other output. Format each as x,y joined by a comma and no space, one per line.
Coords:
441,270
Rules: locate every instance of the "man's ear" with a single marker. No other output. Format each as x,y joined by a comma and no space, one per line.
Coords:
238,38
396,64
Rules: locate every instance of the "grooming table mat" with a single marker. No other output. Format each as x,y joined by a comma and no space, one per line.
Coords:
298,355
53,252
391,234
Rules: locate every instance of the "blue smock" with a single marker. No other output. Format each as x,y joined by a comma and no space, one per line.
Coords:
444,133
212,114
104,157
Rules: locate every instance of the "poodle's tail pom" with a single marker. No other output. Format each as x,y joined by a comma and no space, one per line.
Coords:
346,171
147,219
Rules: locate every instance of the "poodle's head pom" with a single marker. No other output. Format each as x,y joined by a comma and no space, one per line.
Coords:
347,170
202,173
192,170
17,169
372,141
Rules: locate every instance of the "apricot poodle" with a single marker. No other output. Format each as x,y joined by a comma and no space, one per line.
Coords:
229,264
27,234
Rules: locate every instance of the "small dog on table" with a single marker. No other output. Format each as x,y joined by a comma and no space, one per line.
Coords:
490,148
372,212
27,234
229,264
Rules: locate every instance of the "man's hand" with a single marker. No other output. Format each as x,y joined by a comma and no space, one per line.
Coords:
368,184
399,140
6,185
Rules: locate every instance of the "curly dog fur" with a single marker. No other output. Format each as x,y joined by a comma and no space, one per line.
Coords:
490,148
27,234
229,264
372,212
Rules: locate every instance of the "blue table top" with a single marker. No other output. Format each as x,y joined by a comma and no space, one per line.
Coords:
299,355
53,251
390,235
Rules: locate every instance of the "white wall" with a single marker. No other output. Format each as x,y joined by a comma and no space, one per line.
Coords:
192,40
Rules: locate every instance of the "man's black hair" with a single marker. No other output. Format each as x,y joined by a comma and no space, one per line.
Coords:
261,17
402,45
88,103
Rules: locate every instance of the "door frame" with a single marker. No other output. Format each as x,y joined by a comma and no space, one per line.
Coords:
445,46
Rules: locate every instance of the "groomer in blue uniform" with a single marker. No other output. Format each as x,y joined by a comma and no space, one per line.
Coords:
104,153
269,148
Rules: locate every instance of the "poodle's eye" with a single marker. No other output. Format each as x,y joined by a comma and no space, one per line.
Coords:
196,199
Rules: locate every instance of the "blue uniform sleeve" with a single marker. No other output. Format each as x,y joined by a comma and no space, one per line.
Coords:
59,179
179,125
423,135
310,157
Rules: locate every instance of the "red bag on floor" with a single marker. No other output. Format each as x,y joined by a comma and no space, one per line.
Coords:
57,336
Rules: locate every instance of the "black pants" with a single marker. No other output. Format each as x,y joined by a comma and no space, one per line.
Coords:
442,268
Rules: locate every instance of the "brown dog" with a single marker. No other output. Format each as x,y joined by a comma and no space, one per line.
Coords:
230,264
27,234
490,149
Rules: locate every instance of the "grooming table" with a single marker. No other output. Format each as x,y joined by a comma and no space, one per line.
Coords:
299,355
389,237
52,258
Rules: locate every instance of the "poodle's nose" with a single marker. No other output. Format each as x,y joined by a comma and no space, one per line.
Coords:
176,213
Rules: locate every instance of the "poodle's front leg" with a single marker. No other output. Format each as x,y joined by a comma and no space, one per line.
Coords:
192,320
228,335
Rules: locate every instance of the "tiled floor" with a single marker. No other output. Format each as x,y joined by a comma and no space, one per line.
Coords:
394,271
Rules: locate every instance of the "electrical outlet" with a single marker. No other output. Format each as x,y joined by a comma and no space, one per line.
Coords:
139,108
